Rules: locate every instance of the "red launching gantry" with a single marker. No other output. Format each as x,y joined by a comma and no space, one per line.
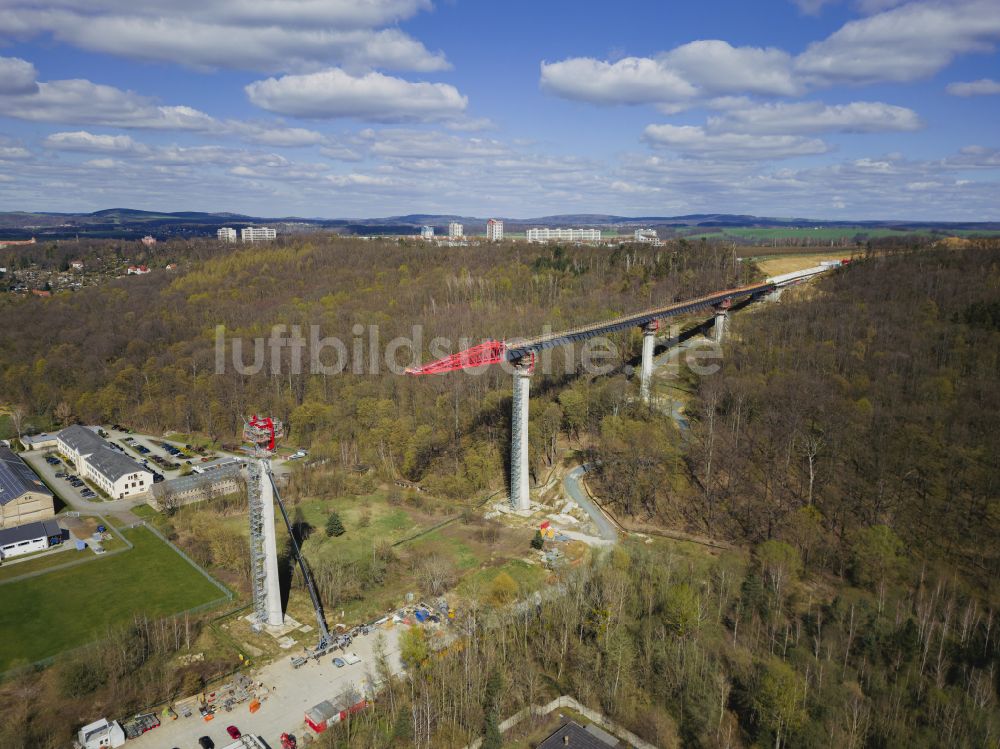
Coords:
490,352
262,432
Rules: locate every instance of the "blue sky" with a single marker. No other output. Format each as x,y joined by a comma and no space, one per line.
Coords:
356,108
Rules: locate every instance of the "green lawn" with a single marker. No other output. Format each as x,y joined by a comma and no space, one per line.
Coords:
63,609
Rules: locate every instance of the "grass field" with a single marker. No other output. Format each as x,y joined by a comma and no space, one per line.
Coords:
775,266
64,609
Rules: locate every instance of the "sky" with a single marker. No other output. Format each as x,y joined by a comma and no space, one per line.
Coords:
826,109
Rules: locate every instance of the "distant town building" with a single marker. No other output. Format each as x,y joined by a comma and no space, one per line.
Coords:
455,230
427,232
76,265
646,235
494,230
23,496
171,266
30,537
567,235
257,234
137,270
149,240
226,234
117,474
41,292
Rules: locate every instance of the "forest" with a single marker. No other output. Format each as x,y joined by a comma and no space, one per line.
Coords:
141,351
843,465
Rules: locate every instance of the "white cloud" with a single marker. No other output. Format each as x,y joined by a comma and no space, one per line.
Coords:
81,140
17,76
717,67
698,69
816,117
86,103
903,44
471,125
812,7
353,180
270,134
14,152
897,44
696,141
982,87
266,35
340,153
334,93
430,144
633,80
300,13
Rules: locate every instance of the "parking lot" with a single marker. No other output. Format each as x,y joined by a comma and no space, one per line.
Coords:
290,692
144,449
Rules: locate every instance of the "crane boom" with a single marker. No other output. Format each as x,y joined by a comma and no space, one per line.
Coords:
324,632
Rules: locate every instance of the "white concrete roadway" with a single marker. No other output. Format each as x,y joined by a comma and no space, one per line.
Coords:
284,709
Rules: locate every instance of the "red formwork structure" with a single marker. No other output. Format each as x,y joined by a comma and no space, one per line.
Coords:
263,432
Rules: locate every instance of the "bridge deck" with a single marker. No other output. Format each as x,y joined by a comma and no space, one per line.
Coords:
519,349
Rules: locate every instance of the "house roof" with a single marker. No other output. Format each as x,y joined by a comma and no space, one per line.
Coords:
113,465
84,441
579,738
17,478
29,532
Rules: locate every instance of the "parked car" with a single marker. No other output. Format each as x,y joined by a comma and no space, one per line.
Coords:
206,743
61,474
233,732
339,662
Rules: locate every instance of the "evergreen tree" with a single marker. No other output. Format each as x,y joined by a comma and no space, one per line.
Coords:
537,542
492,738
333,525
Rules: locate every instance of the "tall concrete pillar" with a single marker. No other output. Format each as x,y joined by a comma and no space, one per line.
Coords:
720,324
520,489
646,373
275,617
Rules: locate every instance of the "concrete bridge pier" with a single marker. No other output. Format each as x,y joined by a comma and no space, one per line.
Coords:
520,488
721,317
275,616
648,344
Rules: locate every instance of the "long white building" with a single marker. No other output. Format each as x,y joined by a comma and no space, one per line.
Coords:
115,473
567,235
257,234
226,234
494,230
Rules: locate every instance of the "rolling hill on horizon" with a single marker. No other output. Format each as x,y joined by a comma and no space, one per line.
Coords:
129,222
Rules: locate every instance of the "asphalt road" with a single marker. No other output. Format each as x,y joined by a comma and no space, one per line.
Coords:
577,493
